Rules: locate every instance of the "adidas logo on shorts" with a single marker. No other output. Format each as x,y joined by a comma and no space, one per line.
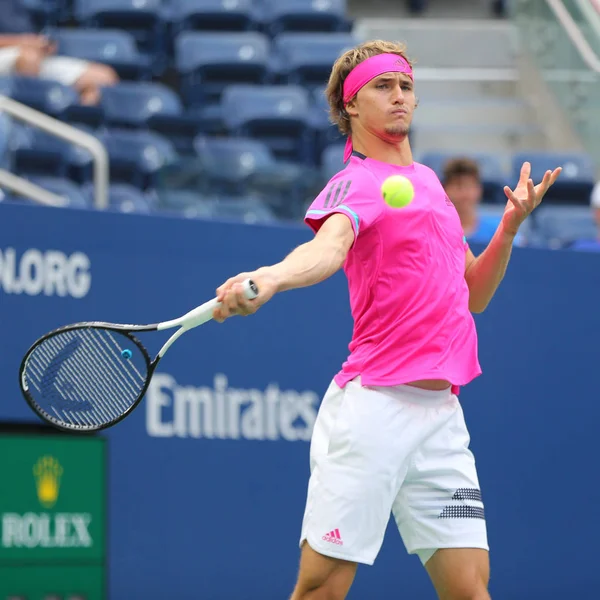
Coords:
333,537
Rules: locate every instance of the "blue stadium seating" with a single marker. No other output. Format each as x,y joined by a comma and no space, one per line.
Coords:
275,114
212,15
45,13
39,153
151,106
492,173
306,58
113,47
49,97
123,197
325,131
65,188
136,157
253,71
304,15
557,226
333,160
144,19
193,205
248,209
575,183
208,62
237,166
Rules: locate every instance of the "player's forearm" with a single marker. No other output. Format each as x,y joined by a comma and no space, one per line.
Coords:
487,270
308,264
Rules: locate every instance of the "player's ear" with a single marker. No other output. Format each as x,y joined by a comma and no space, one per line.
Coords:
416,101
351,108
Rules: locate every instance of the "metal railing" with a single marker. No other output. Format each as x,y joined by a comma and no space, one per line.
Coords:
67,132
563,44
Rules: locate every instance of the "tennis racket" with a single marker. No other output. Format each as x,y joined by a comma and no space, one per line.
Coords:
89,376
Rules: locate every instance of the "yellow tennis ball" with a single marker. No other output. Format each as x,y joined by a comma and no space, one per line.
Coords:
397,191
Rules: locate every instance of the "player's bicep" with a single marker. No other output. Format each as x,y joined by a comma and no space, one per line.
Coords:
337,230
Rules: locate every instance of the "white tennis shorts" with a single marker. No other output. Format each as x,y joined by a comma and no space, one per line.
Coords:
64,69
399,450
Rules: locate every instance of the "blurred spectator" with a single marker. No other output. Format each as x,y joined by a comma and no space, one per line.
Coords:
462,182
25,52
591,245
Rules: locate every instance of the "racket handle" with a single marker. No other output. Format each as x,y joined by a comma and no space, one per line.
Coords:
204,312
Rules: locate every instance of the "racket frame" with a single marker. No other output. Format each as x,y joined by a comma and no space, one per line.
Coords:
195,317
127,331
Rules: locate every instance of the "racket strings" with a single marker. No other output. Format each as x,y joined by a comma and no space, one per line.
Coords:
82,377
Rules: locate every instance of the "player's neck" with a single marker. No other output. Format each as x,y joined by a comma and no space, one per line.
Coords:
398,153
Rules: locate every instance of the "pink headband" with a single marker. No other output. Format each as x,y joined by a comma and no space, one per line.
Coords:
365,72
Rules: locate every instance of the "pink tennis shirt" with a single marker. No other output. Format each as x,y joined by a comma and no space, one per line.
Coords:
406,278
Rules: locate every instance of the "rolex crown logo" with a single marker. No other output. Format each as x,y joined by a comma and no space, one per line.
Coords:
47,472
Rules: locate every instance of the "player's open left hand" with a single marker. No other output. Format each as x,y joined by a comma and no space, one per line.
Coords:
232,298
525,197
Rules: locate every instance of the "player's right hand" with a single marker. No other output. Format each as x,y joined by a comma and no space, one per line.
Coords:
232,298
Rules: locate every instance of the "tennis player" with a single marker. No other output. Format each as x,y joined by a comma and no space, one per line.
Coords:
390,436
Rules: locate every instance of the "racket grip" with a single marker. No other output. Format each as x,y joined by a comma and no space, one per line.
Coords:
204,312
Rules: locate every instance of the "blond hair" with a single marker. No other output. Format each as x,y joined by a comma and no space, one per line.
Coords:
341,69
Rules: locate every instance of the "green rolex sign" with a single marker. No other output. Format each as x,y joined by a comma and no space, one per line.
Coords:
52,512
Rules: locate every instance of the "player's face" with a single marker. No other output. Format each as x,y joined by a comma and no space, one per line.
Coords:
385,106
464,192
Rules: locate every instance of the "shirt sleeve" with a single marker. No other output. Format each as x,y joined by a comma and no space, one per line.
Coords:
342,195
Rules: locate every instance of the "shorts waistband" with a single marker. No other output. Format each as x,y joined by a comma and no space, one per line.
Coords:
410,393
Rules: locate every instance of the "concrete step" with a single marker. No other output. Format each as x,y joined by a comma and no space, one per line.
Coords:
432,90
474,113
448,43
499,139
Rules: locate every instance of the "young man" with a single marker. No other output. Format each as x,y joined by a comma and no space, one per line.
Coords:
390,435
462,183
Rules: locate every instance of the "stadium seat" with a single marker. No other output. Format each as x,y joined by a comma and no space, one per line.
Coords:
332,161
208,62
304,15
49,97
116,48
36,152
65,188
143,19
326,133
136,157
306,58
491,169
276,115
193,205
558,226
152,106
212,15
249,209
575,184
125,198
236,166
46,13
